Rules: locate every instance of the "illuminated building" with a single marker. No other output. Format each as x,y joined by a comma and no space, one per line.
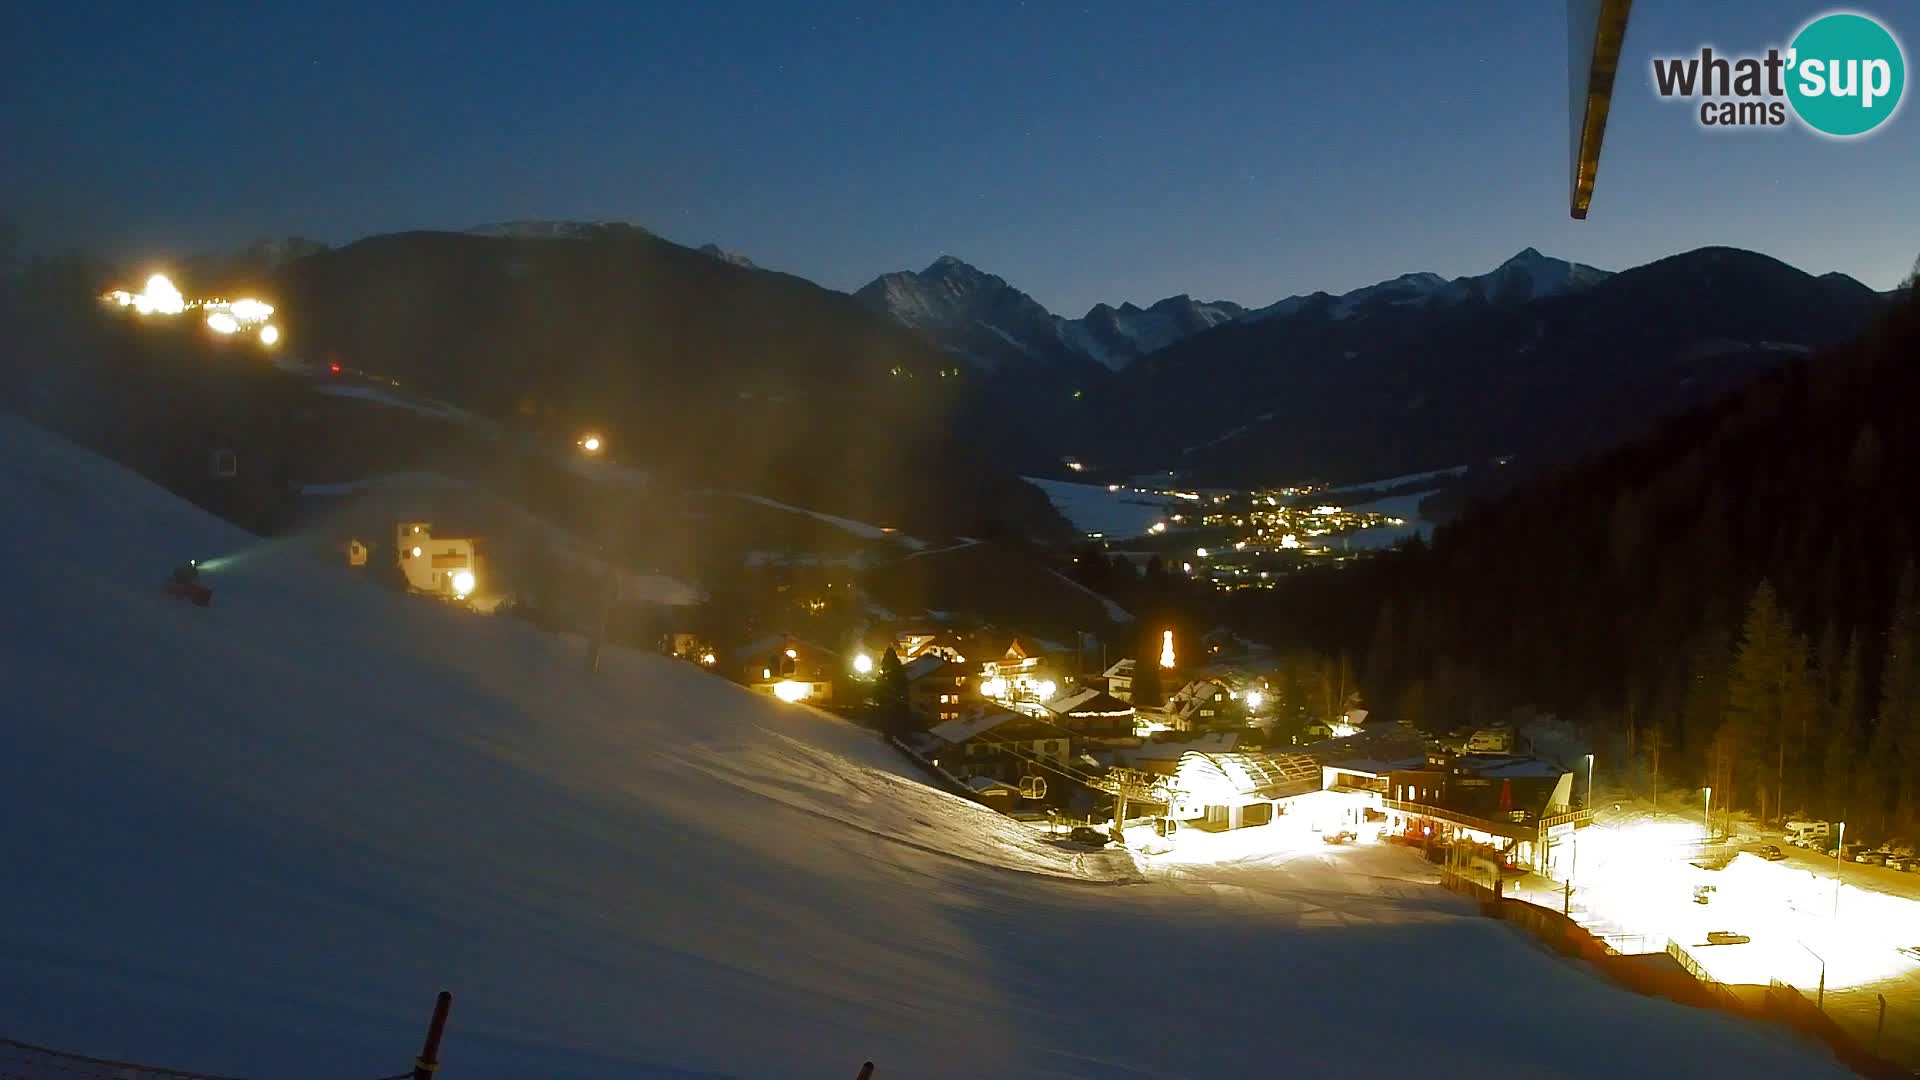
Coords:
938,688
439,565
1120,679
791,669
1238,789
1021,674
990,740
1093,714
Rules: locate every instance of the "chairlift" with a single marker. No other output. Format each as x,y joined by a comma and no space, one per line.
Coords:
1033,787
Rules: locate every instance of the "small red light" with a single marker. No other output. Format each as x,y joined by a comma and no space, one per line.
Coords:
333,369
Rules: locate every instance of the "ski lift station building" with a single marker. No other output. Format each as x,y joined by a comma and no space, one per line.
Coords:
1236,789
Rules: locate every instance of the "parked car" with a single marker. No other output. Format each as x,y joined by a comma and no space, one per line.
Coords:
1342,837
1900,862
1872,858
1769,852
1083,834
1726,937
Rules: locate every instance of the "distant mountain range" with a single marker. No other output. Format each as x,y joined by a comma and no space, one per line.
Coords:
1538,360
1539,357
980,317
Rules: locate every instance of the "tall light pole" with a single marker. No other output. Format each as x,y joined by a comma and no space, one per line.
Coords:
1706,819
1839,855
1589,781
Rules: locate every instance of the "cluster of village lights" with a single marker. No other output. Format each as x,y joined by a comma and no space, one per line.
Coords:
161,297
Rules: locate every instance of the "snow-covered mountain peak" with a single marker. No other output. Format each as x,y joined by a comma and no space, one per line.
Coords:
716,251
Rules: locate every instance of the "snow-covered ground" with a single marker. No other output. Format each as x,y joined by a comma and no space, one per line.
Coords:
438,410
1405,507
1092,508
1114,611
1430,480
847,525
254,839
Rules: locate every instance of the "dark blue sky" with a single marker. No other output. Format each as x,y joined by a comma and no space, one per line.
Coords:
1106,151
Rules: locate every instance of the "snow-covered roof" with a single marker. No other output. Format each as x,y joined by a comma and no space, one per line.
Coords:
1090,701
1121,669
1212,741
1506,766
1221,777
983,784
924,665
1189,699
1374,766
979,721
773,643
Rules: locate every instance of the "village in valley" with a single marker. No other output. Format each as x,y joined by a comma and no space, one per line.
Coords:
1041,731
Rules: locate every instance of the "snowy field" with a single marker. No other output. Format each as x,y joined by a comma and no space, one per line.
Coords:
1405,507
847,525
1091,508
255,839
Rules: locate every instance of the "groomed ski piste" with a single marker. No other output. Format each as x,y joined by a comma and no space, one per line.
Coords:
254,839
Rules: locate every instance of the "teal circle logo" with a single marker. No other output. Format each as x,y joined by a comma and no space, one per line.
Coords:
1845,74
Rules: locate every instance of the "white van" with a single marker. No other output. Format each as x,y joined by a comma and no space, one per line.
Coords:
1808,833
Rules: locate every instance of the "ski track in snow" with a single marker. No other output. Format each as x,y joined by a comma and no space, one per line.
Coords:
254,839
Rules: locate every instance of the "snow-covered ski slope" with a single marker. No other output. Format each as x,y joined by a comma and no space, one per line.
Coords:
254,840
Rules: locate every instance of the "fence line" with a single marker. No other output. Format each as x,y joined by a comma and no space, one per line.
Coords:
26,1061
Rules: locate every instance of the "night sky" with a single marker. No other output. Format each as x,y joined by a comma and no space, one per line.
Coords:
1087,152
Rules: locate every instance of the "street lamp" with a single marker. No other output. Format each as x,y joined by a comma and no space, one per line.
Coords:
1839,856
1706,819
1589,781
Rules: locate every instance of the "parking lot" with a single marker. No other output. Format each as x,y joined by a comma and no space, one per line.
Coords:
1809,922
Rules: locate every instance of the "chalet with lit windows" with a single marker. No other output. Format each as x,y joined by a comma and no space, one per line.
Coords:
1119,679
1022,674
440,565
1519,806
791,669
912,645
994,741
938,688
691,647
1093,715
1202,703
